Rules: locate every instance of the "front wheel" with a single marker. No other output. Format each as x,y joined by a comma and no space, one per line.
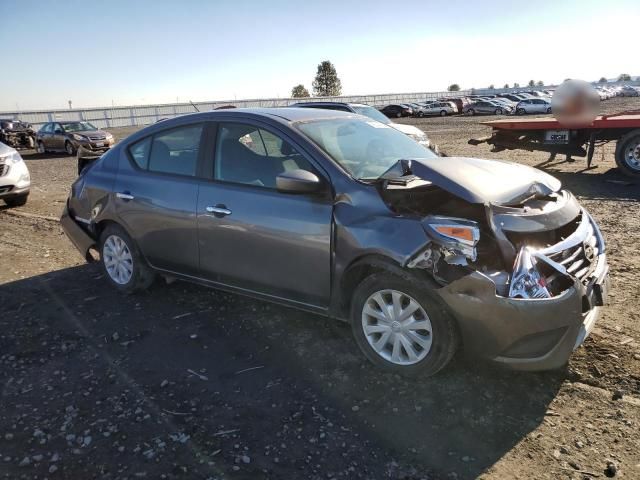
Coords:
122,262
40,148
401,326
471,112
498,111
16,201
443,113
69,148
549,110
521,111
398,114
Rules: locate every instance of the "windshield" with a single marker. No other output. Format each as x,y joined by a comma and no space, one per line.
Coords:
366,149
77,126
372,113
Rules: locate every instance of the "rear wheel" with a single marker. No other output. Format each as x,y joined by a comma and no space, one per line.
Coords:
16,201
123,264
401,325
628,154
69,148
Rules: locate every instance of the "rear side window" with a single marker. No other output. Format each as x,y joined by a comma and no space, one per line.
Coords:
173,151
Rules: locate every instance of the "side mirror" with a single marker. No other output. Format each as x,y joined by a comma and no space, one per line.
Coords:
298,181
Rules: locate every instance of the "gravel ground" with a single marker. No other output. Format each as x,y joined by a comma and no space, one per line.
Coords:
186,382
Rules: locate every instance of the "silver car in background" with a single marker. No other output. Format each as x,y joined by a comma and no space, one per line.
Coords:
486,107
437,108
533,105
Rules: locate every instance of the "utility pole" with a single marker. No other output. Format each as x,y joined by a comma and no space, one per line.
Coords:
70,107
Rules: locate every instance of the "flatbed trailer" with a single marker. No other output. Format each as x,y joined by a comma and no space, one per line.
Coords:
550,135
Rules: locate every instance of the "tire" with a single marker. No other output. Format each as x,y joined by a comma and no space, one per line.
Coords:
443,113
471,112
498,111
16,201
549,110
69,148
398,114
521,111
628,154
40,148
139,276
439,336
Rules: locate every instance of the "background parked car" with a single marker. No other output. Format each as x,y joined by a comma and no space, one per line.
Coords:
397,111
16,134
486,107
438,108
533,105
14,177
368,111
69,136
628,91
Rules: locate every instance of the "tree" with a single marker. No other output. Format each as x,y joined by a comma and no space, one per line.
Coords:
516,85
299,91
327,83
506,85
532,83
491,87
602,80
540,83
624,77
454,87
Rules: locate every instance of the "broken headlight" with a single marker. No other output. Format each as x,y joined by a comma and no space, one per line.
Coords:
455,234
526,281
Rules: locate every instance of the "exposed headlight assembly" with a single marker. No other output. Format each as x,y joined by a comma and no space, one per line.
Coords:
455,234
79,137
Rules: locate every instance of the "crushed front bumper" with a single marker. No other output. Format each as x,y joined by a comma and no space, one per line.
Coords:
526,334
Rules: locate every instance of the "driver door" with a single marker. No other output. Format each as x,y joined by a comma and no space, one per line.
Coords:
252,236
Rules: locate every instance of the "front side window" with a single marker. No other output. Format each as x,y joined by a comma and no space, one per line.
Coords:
173,151
46,128
250,155
366,149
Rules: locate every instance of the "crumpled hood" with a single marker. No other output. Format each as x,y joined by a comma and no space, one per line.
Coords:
484,181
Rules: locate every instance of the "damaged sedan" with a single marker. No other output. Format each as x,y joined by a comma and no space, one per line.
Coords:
341,215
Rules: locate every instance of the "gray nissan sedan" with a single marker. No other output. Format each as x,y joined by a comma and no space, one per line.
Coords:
341,215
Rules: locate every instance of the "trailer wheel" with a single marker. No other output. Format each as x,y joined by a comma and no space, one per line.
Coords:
628,153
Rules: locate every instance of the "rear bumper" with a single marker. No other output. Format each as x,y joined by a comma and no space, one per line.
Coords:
78,236
526,334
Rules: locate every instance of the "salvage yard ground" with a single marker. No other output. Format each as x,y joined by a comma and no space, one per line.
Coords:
186,382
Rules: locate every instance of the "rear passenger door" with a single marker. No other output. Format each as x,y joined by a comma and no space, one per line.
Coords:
156,196
254,237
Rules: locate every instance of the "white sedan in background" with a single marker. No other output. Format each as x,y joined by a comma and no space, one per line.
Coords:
14,177
437,108
533,105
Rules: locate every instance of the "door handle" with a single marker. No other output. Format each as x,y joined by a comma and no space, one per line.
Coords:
218,210
125,196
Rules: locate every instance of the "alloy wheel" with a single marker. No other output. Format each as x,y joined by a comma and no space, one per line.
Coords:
397,327
40,148
117,259
69,148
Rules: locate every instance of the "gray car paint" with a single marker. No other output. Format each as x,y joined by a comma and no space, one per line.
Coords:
304,256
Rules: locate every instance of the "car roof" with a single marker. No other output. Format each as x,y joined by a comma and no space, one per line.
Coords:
342,104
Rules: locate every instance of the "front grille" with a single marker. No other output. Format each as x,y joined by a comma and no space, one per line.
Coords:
97,137
4,169
577,253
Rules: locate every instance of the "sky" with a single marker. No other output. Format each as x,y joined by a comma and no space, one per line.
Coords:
130,52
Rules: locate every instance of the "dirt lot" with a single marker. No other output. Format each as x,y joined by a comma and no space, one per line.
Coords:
185,382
